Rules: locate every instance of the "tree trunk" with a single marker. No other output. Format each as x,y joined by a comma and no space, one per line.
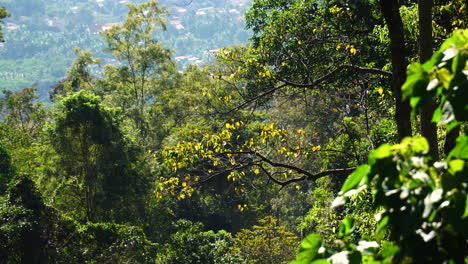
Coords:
427,127
391,12
450,139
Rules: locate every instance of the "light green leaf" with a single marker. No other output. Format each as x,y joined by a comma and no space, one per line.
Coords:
418,144
355,178
416,82
461,148
456,166
309,248
444,77
384,151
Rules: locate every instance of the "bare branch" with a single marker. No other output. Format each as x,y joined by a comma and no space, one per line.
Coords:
307,175
335,71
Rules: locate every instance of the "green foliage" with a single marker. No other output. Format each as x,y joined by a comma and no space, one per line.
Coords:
266,243
443,76
190,244
321,218
94,160
145,63
6,170
32,232
22,111
423,202
3,14
79,75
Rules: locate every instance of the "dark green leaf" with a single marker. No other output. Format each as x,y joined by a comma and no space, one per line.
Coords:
346,227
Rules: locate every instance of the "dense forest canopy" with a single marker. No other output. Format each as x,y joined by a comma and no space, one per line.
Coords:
336,134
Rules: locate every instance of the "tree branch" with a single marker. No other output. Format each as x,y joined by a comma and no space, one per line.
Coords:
314,82
306,175
335,71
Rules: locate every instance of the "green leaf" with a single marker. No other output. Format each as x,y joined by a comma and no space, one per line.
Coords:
309,248
437,114
416,82
444,77
382,227
461,148
382,152
417,143
389,249
320,261
346,227
465,214
355,178
452,125
456,166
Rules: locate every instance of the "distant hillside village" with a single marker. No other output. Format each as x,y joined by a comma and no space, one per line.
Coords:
101,15
41,35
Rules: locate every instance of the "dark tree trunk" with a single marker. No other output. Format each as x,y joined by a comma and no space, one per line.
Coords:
391,13
450,139
428,128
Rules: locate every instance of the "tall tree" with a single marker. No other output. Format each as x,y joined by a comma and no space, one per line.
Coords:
145,62
22,111
425,41
391,12
3,14
93,155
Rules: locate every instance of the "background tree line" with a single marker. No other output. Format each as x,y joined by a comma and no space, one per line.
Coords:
306,129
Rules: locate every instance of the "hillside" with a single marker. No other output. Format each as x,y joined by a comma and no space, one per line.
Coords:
40,35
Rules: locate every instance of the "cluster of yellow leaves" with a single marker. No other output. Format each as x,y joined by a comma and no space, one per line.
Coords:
175,187
223,150
242,207
349,48
339,11
268,132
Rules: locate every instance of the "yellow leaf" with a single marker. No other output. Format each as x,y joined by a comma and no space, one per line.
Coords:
316,148
298,187
257,171
353,51
338,47
300,132
215,163
380,91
